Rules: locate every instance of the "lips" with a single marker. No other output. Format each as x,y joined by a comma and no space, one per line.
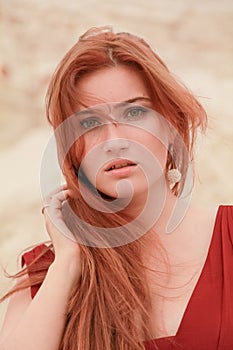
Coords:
119,164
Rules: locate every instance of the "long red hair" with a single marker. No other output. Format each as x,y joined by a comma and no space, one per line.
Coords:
110,307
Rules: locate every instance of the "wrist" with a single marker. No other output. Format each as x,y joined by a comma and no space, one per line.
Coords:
69,267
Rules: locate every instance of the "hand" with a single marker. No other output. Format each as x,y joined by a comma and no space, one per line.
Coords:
62,238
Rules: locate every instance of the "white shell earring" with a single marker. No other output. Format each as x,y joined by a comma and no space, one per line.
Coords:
174,176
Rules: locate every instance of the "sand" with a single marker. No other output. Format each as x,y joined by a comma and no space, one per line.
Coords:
195,39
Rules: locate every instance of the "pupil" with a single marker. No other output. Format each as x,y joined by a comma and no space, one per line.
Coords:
134,113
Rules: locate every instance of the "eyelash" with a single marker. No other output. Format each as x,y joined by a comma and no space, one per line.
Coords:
137,109
95,122
85,121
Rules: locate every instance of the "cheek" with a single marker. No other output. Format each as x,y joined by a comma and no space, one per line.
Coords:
154,160
156,138
160,152
92,159
157,141
154,145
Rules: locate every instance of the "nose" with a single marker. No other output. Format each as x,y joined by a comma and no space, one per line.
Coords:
116,141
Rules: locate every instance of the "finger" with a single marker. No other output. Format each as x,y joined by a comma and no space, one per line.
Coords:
53,216
57,189
56,201
48,198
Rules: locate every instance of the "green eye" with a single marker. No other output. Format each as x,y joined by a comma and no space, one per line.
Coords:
135,113
90,123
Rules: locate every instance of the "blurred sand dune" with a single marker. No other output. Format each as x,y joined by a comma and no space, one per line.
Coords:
195,38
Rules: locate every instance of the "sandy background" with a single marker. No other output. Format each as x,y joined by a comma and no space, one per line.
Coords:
195,39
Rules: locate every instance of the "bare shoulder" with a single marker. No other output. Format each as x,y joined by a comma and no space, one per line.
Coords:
191,240
200,223
17,305
202,218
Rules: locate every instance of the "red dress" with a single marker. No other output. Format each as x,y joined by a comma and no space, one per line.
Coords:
207,323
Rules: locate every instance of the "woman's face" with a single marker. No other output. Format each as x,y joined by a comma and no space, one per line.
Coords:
122,135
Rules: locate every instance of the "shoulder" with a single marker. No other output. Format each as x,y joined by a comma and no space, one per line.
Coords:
218,219
201,221
209,230
37,255
226,212
197,232
218,222
34,260
224,220
37,262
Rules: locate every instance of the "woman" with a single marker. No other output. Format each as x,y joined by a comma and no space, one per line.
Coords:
131,264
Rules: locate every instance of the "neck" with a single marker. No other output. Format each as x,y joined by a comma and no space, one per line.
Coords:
157,206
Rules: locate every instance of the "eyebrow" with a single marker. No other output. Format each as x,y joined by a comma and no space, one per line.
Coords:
138,98
84,111
131,100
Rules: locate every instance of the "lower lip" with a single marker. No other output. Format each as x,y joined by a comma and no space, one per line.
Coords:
121,172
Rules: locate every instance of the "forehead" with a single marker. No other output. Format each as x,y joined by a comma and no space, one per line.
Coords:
111,84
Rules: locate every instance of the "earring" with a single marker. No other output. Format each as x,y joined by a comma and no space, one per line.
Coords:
174,176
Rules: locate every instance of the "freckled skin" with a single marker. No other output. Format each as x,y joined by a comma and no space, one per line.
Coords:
109,85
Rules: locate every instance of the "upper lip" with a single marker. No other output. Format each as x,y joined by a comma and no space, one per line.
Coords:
118,162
